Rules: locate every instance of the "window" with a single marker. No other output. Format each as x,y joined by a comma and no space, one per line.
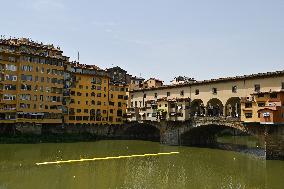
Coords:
78,118
11,78
182,93
261,104
234,89
248,105
119,113
120,96
119,104
9,97
86,111
78,110
111,103
273,95
11,59
260,95
27,68
11,67
71,117
197,92
214,90
257,87
248,115
26,77
168,94
9,87
26,87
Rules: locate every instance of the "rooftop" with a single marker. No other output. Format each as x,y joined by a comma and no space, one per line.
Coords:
28,42
227,79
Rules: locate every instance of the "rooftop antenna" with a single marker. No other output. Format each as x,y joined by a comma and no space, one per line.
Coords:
78,56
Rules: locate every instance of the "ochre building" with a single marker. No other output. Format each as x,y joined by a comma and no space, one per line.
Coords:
31,82
92,98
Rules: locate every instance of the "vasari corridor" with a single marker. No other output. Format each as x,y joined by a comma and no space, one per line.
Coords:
141,94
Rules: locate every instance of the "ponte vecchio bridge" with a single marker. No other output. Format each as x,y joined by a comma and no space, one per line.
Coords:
213,105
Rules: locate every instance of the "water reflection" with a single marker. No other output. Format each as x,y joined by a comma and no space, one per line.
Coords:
192,168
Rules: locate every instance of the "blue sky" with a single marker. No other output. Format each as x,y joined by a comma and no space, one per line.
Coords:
158,38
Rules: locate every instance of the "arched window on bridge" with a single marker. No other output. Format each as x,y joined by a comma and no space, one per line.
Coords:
197,108
214,108
233,107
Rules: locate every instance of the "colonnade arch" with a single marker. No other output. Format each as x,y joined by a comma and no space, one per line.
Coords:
215,108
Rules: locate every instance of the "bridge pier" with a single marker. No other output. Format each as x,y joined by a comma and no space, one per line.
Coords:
274,142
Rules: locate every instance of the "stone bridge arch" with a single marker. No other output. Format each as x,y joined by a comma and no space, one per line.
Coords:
142,131
206,134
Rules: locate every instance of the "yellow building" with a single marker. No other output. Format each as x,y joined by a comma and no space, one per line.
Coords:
92,99
118,98
31,82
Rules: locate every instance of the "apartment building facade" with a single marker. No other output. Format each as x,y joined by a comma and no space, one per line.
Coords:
92,97
31,82
263,108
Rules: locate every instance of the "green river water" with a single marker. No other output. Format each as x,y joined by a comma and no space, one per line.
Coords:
196,168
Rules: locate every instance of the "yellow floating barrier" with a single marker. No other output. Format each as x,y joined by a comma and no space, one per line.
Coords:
107,158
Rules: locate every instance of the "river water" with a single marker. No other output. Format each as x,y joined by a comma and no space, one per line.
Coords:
192,168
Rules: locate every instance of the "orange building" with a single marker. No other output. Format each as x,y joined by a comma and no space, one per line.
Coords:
264,108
